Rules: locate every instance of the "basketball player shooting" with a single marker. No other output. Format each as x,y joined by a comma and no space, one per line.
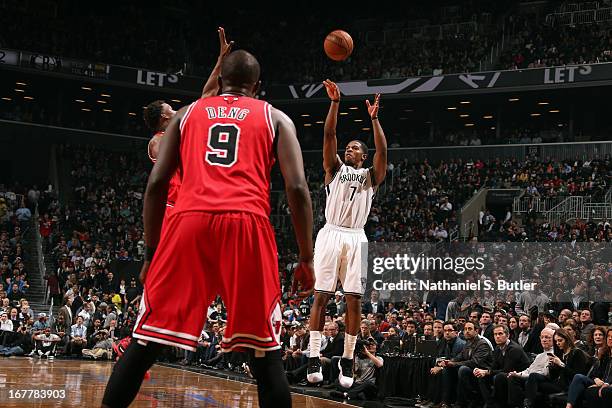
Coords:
219,239
338,247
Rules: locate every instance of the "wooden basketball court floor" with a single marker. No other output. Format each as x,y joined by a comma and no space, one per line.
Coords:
83,383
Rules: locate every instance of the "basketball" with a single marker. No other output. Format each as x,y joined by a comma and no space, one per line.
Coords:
338,45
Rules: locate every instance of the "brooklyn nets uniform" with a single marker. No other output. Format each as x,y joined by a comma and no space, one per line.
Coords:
342,242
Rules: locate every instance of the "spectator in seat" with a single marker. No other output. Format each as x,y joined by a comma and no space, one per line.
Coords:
528,337
572,329
508,357
375,333
111,315
517,380
476,354
563,365
486,326
45,343
78,336
66,311
20,345
598,381
40,325
447,382
62,329
103,346
586,324
374,305
596,340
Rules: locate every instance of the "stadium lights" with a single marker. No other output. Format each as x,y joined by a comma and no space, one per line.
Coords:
107,110
358,120
554,111
353,108
513,99
7,99
343,113
20,83
492,127
29,98
536,114
79,100
543,103
105,95
175,100
465,115
86,109
469,124
19,90
86,88
560,125
487,117
320,122
452,108
307,124
132,113
465,102
365,128
305,115
101,101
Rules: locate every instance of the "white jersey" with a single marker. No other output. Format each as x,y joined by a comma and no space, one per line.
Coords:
349,197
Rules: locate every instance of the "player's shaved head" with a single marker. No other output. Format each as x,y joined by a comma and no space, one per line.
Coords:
240,69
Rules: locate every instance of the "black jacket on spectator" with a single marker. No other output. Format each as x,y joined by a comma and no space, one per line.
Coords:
475,354
488,333
576,362
513,358
602,369
335,348
600,312
366,307
452,349
534,345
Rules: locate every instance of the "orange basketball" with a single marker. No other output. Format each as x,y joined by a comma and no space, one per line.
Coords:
338,45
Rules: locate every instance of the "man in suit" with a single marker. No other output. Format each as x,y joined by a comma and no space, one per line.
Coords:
374,305
529,338
486,326
508,357
334,348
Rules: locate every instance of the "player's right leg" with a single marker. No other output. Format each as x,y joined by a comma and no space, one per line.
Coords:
326,265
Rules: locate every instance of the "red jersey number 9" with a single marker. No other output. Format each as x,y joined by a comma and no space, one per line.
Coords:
223,145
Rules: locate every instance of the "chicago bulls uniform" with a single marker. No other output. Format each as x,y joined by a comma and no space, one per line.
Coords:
218,239
175,181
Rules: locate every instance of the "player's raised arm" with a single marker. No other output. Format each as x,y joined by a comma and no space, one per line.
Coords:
292,167
380,157
331,161
211,87
157,186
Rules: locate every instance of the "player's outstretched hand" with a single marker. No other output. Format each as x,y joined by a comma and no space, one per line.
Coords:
373,109
224,47
332,90
303,280
143,271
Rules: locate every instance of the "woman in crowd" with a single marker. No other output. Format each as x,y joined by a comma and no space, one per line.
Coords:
596,340
566,362
596,386
514,328
571,327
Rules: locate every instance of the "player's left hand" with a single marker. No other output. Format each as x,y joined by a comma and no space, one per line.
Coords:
373,109
143,271
303,280
224,47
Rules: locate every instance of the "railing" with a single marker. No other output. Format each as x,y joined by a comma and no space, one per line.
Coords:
580,17
524,203
41,259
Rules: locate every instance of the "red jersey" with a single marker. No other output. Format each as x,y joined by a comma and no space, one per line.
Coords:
226,155
175,181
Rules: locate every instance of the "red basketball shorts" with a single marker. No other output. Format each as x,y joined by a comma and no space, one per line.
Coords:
199,256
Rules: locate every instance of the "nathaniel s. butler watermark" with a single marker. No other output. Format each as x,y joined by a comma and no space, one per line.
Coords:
486,284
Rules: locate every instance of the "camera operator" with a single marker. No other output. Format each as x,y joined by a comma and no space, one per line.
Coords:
366,366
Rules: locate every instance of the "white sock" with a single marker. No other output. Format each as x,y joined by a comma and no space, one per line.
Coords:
349,346
315,344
